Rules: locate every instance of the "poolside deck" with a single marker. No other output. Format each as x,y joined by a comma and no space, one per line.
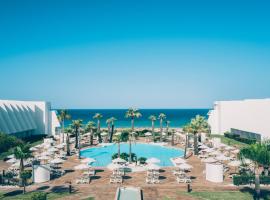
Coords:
101,189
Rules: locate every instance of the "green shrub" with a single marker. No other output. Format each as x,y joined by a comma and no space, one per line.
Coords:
124,136
39,196
114,156
243,180
7,142
142,160
240,139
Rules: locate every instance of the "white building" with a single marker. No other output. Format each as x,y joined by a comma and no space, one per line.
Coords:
249,118
25,118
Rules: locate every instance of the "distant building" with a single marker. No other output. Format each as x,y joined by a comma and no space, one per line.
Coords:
26,118
247,118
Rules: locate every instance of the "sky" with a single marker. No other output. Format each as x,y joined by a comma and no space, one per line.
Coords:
144,54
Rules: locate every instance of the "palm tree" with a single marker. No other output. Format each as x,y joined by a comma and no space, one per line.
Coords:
153,118
90,126
132,113
98,116
259,153
161,117
22,152
62,117
112,119
24,176
108,122
167,126
76,125
198,125
186,130
117,139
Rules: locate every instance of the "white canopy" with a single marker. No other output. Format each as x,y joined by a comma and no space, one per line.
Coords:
163,133
229,148
215,153
33,149
52,149
153,160
115,166
209,150
119,160
179,160
11,156
152,166
235,163
247,161
118,133
148,134
222,157
104,134
185,166
88,160
209,160
236,151
12,160
44,157
82,167
57,161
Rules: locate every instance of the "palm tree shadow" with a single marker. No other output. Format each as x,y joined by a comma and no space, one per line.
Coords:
127,177
59,189
13,193
99,170
45,187
162,177
95,177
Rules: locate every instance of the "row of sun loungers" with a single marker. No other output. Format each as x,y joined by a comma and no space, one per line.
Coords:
116,179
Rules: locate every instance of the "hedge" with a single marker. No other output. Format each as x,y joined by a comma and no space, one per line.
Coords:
240,139
245,180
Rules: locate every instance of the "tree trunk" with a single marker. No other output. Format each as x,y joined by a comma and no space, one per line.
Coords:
129,160
186,146
24,190
79,146
172,139
153,131
118,149
67,144
257,182
195,144
76,137
99,135
161,129
91,137
111,135
132,124
63,130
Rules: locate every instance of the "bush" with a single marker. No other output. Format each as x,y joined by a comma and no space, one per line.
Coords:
246,179
240,139
124,136
125,156
39,196
7,142
142,160
243,180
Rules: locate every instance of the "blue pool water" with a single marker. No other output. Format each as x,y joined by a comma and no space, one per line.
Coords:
103,154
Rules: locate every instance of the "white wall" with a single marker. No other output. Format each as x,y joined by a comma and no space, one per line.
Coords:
247,115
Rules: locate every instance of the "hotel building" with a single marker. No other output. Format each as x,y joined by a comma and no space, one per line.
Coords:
247,118
26,118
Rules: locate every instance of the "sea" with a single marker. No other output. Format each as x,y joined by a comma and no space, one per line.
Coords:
177,117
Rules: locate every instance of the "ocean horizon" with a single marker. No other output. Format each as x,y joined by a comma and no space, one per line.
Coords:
177,117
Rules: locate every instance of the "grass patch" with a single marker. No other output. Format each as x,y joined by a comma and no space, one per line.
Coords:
232,195
229,141
18,195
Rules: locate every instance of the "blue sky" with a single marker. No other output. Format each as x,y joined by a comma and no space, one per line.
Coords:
147,54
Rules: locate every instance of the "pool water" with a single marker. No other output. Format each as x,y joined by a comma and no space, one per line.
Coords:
103,155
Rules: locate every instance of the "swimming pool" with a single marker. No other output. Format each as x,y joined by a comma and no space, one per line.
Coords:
103,155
